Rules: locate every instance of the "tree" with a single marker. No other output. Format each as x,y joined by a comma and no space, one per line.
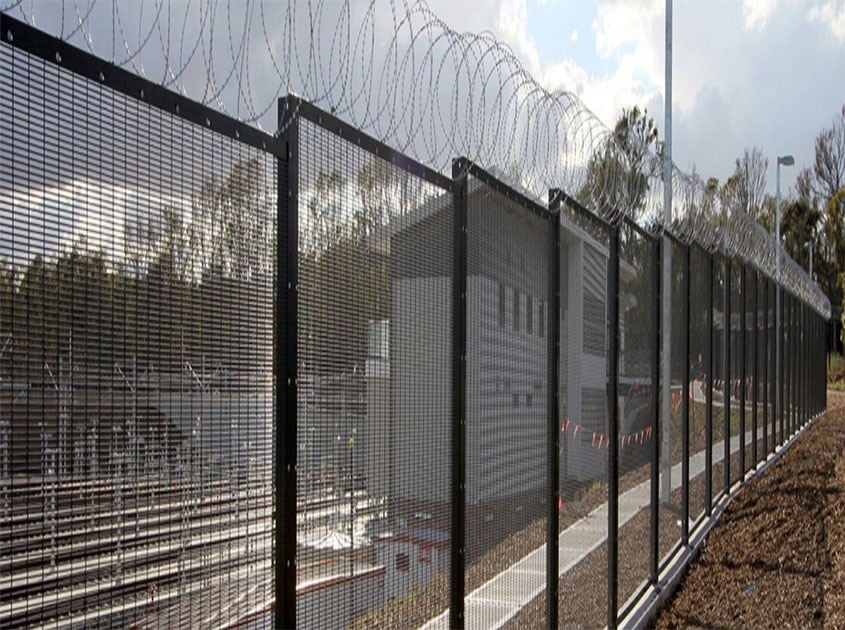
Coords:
618,174
829,165
746,188
799,220
831,247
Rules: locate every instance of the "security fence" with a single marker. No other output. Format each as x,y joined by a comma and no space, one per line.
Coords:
302,379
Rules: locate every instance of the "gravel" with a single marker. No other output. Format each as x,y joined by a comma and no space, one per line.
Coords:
777,557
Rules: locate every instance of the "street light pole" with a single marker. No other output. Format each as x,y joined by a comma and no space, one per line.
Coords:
786,160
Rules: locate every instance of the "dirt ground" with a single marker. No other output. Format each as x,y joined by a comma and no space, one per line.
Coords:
777,557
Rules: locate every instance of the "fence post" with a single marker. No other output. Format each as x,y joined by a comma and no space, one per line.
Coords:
459,349
654,550
755,387
781,372
743,302
792,355
727,351
765,373
553,525
773,364
613,429
685,393
708,412
285,360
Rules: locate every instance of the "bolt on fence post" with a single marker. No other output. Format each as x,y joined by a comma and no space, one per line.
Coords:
726,342
285,363
743,301
654,550
613,428
755,387
459,349
553,525
765,371
708,412
685,393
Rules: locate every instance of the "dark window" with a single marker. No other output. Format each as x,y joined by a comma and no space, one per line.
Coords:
403,562
501,306
516,400
528,400
541,318
529,314
515,308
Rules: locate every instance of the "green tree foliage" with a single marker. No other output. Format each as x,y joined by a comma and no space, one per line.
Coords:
618,175
190,279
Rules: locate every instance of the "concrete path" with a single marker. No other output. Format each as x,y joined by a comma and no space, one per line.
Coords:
497,601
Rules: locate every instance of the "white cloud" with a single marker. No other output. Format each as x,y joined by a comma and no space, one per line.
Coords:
756,13
574,36
831,15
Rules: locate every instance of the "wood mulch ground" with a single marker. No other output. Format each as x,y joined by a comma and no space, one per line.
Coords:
776,559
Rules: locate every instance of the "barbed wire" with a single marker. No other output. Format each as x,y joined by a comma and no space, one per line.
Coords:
397,71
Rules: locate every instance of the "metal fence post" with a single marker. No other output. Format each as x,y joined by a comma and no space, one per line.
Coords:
743,301
685,393
755,387
708,412
765,373
727,351
613,429
773,371
459,349
654,549
781,372
553,525
791,355
285,360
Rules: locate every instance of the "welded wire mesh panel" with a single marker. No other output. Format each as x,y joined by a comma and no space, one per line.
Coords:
671,436
766,357
747,304
137,262
719,377
374,388
636,411
763,409
509,256
583,402
736,373
751,409
699,346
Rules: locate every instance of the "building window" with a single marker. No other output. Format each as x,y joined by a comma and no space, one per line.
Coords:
501,306
529,314
528,399
403,562
541,318
516,400
515,308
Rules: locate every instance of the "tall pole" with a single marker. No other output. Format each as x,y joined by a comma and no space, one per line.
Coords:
667,268
786,160
778,401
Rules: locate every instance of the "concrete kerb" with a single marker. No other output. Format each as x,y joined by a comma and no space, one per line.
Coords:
650,601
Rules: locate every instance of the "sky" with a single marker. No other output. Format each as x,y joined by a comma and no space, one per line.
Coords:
746,73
